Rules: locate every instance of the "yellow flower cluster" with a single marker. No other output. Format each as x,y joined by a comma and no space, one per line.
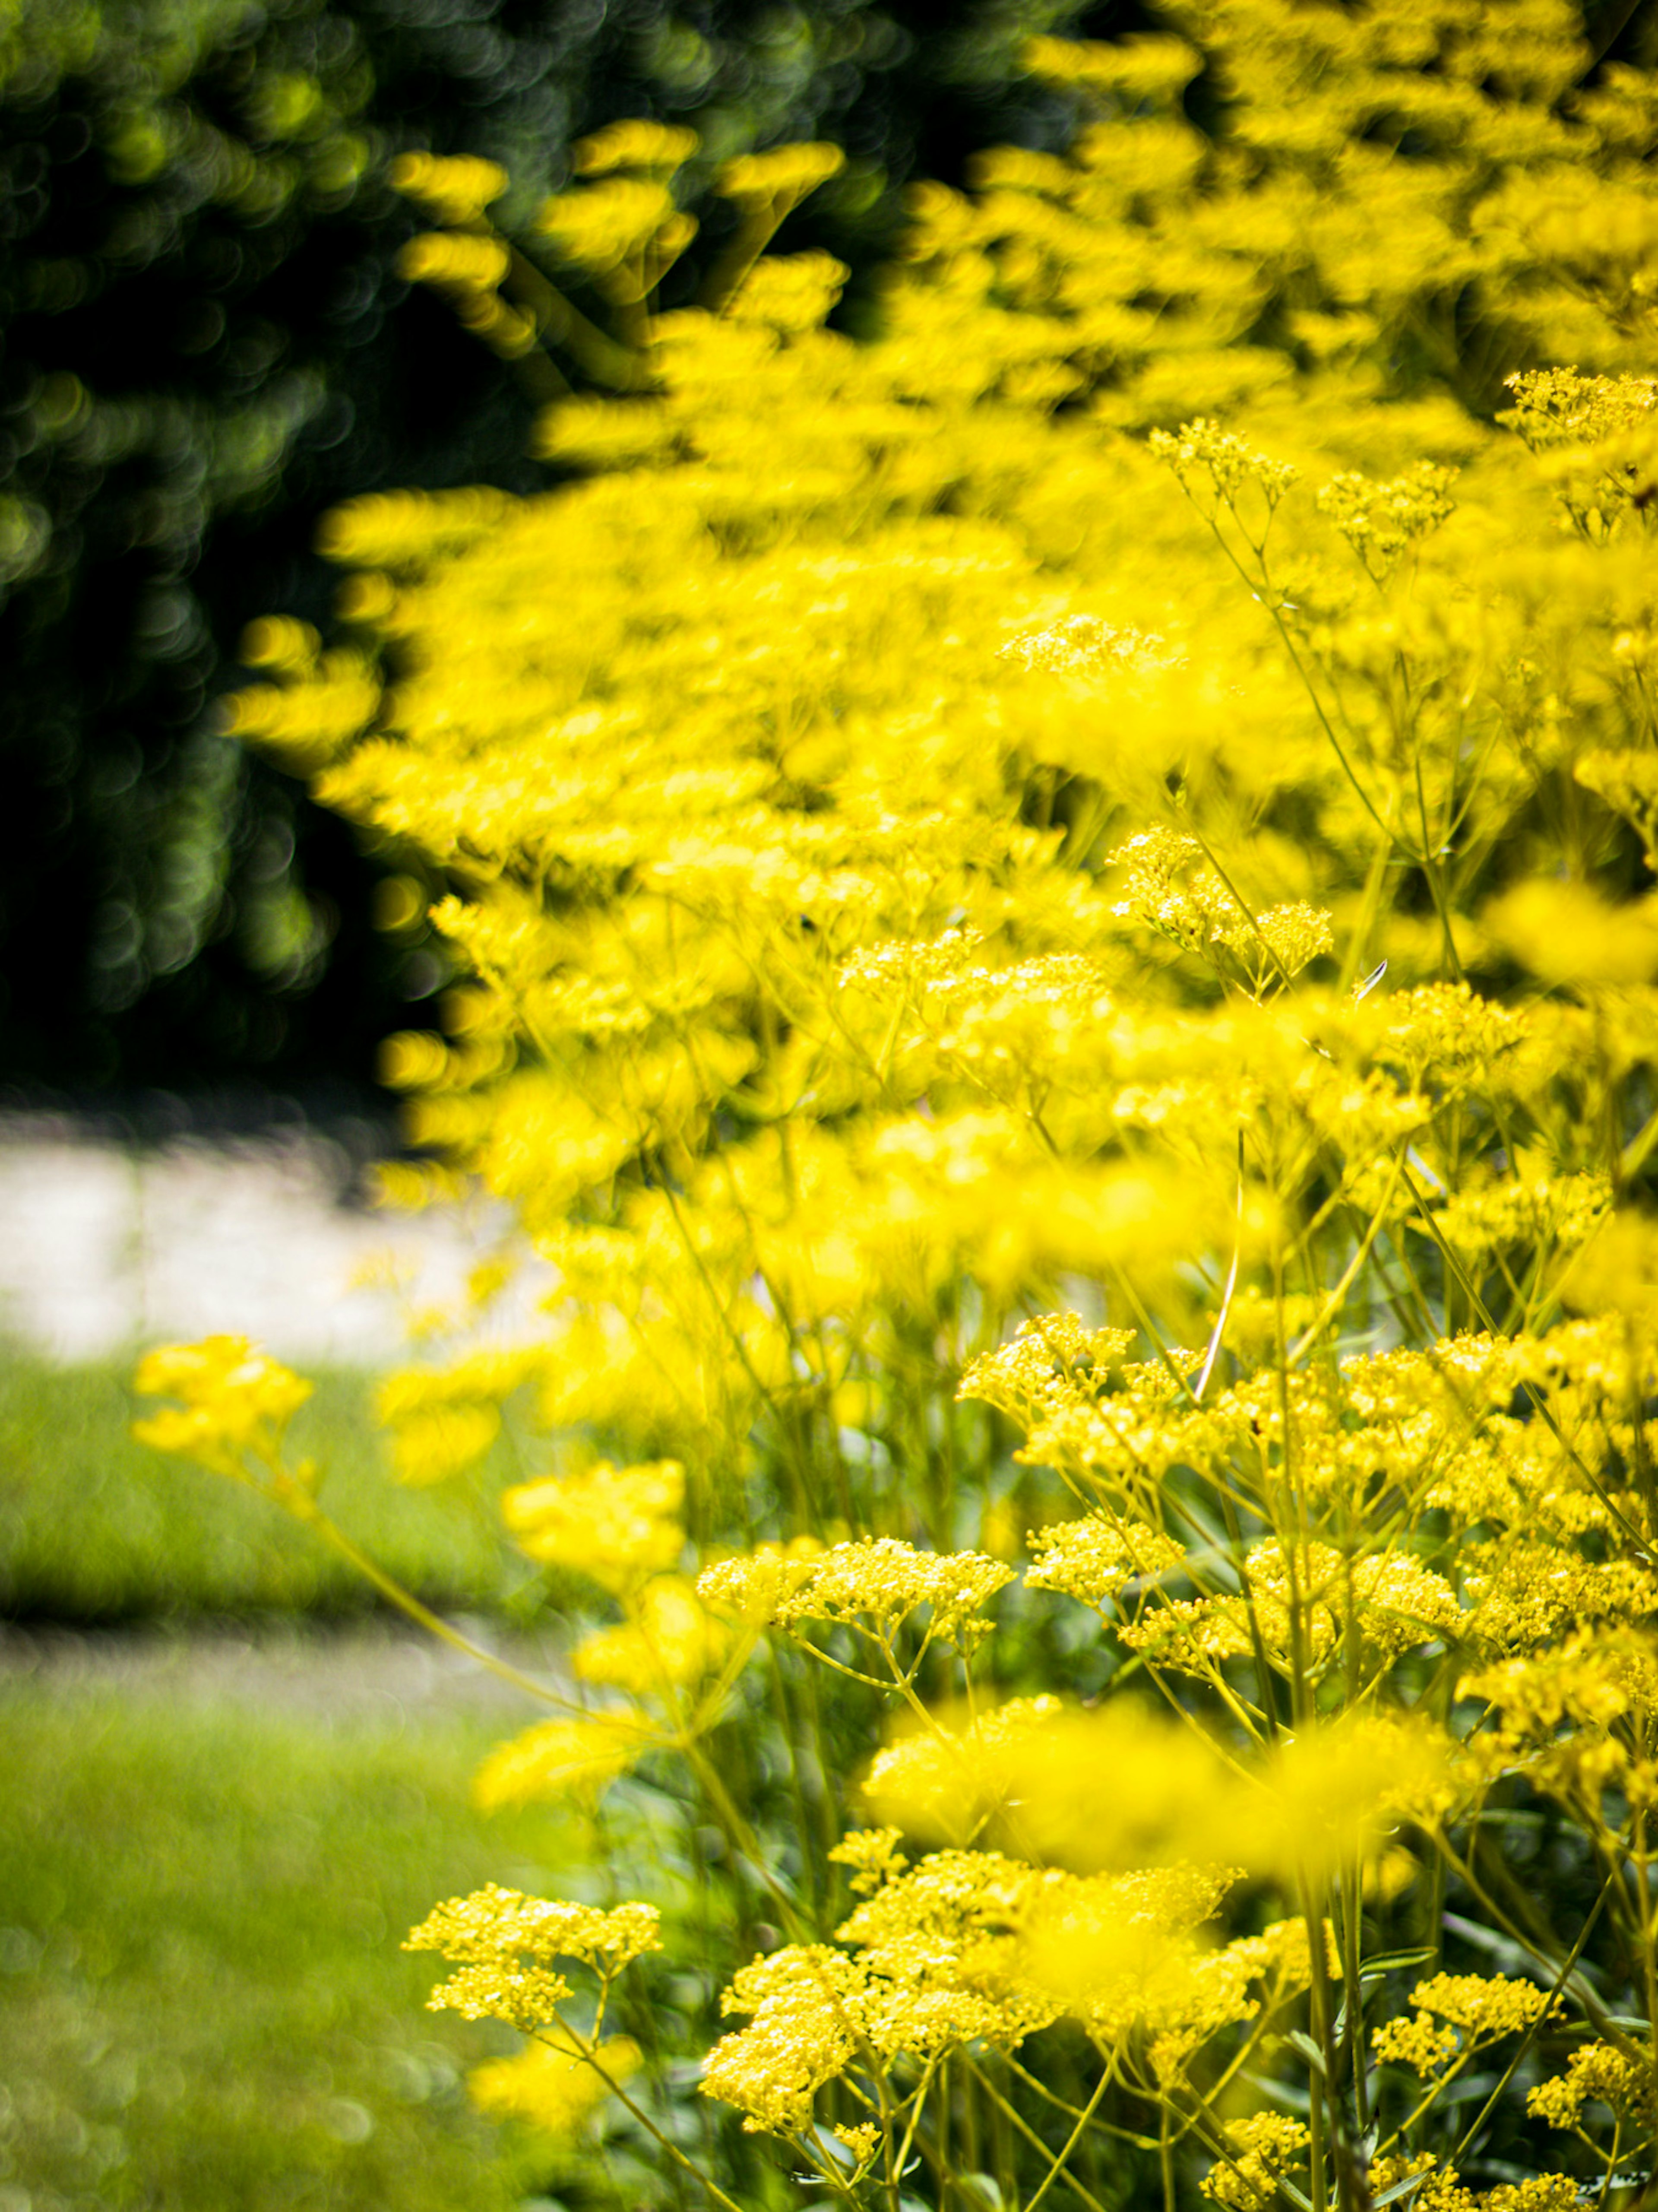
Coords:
1259,2149
1457,2014
506,1945
1381,522
876,1582
965,1948
1124,793
553,2086
1599,2075
614,1525
1096,1558
235,1403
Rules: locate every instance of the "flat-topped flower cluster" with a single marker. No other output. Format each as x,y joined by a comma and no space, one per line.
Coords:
1054,940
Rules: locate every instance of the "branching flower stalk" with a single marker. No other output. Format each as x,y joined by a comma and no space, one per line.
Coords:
1092,1151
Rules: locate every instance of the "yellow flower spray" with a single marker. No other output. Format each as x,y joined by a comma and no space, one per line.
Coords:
1058,943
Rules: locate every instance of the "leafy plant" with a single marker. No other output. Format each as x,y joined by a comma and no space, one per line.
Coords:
1069,988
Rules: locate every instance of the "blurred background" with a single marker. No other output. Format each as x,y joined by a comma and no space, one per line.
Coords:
230,1784
206,345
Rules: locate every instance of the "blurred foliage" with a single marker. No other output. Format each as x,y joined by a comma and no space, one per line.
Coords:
94,1527
205,2004
206,344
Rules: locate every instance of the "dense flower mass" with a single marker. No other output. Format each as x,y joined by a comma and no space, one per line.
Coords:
1055,947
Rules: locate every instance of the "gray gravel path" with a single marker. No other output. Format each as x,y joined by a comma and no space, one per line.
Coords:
103,1251
374,1672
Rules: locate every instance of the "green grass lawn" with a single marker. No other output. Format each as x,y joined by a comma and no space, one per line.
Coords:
203,2004
211,1843
96,1527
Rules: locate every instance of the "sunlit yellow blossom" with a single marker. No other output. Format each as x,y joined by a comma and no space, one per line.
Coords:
759,1589
614,1524
1215,465
862,2140
873,1855
667,1642
877,1580
1391,1603
551,2086
577,1758
1282,1957
235,1402
1277,943
1094,1560
1380,522
1084,645
1260,2148
801,2035
1426,2045
1600,2076
934,855
505,1945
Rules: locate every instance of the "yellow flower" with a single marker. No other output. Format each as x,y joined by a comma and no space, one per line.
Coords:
669,1641
1600,2075
1259,2149
877,1580
456,188
873,1855
505,1945
551,2086
617,1525
577,1758
236,1402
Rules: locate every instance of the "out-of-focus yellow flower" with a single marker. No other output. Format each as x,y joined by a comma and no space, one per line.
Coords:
617,1525
1119,1787
455,188
945,1782
633,144
1617,1270
1565,932
455,257
579,1758
669,1641
430,1446
1334,1797
1628,781
552,2087
236,1402
781,177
